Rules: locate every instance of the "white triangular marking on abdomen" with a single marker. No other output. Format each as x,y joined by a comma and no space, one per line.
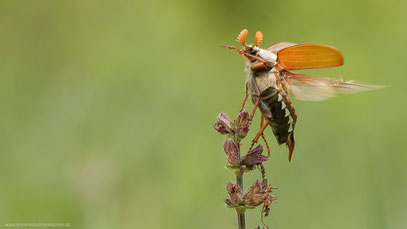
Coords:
279,97
287,112
290,120
283,105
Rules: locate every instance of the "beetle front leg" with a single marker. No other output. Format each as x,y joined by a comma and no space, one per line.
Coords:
256,58
256,95
259,67
245,98
237,50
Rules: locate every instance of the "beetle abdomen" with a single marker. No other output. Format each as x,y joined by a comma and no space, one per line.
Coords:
283,115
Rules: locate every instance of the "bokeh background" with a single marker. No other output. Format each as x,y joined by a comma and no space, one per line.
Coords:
107,110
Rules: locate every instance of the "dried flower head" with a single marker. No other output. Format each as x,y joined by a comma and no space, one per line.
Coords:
242,124
258,193
254,157
223,125
232,152
235,195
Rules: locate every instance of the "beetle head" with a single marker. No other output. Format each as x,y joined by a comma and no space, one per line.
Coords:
247,50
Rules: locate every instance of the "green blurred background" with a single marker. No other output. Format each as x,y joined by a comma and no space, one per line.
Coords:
107,110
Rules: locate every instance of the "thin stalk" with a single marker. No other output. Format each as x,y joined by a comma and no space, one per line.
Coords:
241,221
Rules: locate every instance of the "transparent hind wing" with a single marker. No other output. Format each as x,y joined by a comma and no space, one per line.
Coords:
317,89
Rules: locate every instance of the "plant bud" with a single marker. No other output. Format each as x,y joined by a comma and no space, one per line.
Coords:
235,195
232,152
242,124
223,125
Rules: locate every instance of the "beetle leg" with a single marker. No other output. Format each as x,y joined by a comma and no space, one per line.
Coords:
245,98
256,58
234,48
256,139
267,146
264,138
265,111
255,106
267,114
237,50
258,67
256,96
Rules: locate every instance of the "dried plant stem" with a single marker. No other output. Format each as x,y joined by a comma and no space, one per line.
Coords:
240,214
241,221
259,192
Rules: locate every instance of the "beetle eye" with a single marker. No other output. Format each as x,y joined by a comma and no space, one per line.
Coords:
253,51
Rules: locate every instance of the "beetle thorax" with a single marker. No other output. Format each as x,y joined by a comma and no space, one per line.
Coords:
262,54
267,55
